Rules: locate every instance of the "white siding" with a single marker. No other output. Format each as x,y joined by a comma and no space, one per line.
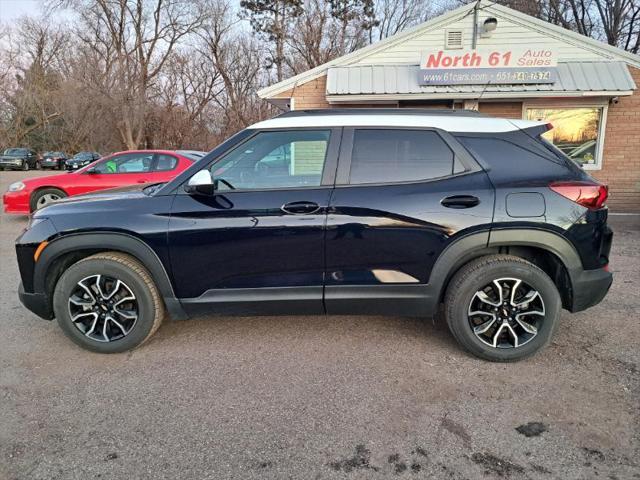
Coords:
509,33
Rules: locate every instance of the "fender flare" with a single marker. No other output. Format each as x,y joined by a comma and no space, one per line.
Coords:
113,241
543,239
477,244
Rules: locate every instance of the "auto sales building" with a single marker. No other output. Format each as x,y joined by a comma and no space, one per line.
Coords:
501,62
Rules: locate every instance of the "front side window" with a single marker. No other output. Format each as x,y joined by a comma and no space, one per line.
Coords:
576,132
288,159
387,156
130,163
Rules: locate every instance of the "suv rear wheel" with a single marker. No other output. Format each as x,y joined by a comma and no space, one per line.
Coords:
502,308
108,303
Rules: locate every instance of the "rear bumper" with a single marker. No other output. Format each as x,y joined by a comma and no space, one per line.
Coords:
589,288
38,303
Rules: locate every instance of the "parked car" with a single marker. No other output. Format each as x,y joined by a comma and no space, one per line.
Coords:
53,160
118,170
18,159
81,159
378,212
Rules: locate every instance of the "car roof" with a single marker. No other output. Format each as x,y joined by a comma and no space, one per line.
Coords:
449,120
191,154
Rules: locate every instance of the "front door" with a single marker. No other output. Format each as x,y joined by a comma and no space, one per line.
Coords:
257,245
401,197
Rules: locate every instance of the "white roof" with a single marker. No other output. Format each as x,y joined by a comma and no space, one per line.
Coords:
450,123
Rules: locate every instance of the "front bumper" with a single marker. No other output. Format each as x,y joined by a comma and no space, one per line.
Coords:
16,202
11,165
589,288
38,303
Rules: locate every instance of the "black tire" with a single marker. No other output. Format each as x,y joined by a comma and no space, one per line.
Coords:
25,165
135,276
468,282
38,195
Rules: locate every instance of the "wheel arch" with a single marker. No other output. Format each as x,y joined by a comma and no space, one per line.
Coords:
69,249
40,188
551,252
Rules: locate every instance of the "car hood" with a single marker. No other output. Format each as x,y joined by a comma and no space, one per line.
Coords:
11,157
131,191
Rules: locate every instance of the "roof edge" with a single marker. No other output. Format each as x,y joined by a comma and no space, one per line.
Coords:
562,33
555,31
316,72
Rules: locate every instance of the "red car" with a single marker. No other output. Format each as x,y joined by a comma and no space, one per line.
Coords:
117,170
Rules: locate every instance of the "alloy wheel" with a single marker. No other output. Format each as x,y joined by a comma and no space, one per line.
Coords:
103,308
506,313
47,199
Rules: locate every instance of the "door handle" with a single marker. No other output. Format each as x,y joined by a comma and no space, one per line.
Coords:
142,181
460,201
300,208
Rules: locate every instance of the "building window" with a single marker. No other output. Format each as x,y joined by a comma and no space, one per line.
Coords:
577,131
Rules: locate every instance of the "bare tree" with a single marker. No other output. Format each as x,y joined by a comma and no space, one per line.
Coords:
130,42
272,19
393,16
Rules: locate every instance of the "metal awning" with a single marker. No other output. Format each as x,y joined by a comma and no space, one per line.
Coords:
398,82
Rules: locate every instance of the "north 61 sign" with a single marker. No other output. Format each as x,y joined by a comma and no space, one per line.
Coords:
494,66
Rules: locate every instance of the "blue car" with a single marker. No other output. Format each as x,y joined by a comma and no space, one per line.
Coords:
336,212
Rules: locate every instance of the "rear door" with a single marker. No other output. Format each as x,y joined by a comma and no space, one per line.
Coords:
401,196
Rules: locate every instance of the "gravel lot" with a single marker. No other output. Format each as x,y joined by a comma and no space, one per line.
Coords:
321,397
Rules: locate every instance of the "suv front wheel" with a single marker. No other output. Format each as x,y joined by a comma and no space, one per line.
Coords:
502,308
108,303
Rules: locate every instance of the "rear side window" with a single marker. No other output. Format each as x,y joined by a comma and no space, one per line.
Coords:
387,156
165,163
515,153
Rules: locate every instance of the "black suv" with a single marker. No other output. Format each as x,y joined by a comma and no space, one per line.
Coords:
18,159
336,212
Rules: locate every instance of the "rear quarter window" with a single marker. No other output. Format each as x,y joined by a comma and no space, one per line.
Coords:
513,155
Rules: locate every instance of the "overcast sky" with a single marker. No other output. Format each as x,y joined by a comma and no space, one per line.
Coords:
11,9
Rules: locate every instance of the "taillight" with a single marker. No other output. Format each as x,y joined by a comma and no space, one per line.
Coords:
590,195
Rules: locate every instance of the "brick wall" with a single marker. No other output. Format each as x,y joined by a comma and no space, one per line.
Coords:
501,109
621,159
309,95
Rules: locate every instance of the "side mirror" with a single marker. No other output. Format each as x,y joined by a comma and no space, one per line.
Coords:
200,183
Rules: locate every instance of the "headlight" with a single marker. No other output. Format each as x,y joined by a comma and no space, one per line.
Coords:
16,187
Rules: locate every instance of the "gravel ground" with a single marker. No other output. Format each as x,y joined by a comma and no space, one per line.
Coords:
321,397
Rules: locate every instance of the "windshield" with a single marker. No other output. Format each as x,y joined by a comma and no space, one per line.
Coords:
53,154
83,156
15,151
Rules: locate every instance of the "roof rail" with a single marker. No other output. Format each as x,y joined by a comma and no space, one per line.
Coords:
381,111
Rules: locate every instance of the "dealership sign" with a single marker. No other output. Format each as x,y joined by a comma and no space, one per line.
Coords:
490,66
